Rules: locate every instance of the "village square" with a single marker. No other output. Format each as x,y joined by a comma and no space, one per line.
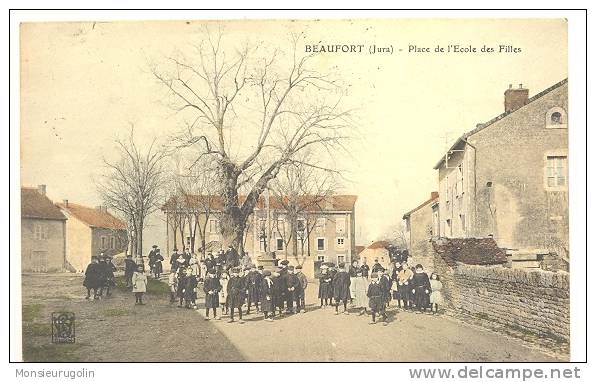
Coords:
254,230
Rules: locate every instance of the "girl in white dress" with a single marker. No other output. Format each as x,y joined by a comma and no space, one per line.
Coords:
436,296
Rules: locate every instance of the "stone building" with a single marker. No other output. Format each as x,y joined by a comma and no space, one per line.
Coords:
421,226
91,231
376,251
43,232
325,228
508,179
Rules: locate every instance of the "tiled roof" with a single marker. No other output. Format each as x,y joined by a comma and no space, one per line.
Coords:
309,202
379,244
473,251
92,216
433,196
37,206
482,126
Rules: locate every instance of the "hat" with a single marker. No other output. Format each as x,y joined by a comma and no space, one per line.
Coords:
291,268
266,273
154,246
285,262
298,266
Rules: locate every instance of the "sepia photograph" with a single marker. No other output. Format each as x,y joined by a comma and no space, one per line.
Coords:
294,190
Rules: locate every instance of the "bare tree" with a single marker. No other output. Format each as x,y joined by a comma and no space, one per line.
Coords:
132,185
301,192
252,114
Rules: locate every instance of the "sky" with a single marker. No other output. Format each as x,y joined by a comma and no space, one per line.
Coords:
83,84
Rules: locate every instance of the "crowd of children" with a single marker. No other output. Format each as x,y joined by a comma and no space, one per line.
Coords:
229,286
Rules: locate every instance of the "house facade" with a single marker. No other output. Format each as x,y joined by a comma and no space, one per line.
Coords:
421,226
325,230
508,178
376,251
91,231
43,232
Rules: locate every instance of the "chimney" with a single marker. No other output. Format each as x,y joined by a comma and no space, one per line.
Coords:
42,189
515,98
65,202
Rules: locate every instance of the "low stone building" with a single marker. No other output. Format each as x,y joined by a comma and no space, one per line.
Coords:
43,232
421,226
376,251
508,177
91,231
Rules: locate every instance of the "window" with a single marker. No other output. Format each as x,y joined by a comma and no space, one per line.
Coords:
340,225
320,224
112,242
340,259
214,226
556,171
320,244
339,244
40,232
320,257
103,242
556,118
280,244
188,241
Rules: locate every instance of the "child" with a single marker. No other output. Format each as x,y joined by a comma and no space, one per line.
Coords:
341,288
139,285
421,288
360,286
212,288
404,276
253,287
129,269
267,296
110,268
385,283
223,292
436,297
376,299
181,283
190,289
275,293
293,287
236,292
173,284
92,278
324,286
300,304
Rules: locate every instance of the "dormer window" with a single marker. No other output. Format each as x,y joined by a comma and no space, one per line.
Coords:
556,118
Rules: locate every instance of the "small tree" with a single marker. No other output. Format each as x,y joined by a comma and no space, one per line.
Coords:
132,184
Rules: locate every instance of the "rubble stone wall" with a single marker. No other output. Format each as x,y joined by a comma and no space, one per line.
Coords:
530,300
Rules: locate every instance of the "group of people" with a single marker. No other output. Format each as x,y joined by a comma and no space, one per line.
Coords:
231,288
410,287
99,275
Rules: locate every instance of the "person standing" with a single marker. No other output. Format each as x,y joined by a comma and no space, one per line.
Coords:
102,273
91,280
236,293
110,268
325,290
157,264
436,296
174,260
267,296
253,286
212,288
292,287
360,286
404,277
223,292
173,285
129,269
139,285
385,283
190,289
300,300
151,257
353,272
376,301
365,268
421,288
283,284
341,288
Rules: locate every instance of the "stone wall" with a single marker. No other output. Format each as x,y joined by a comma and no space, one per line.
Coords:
530,300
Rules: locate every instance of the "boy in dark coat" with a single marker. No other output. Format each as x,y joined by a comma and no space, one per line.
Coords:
364,268
110,268
300,304
189,286
253,287
293,289
236,293
102,271
174,260
376,299
129,269
211,287
181,284
325,290
267,296
385,283
283,283
341,288
421,288
377,267
92,278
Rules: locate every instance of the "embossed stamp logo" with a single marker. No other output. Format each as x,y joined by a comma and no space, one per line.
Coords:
63,327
